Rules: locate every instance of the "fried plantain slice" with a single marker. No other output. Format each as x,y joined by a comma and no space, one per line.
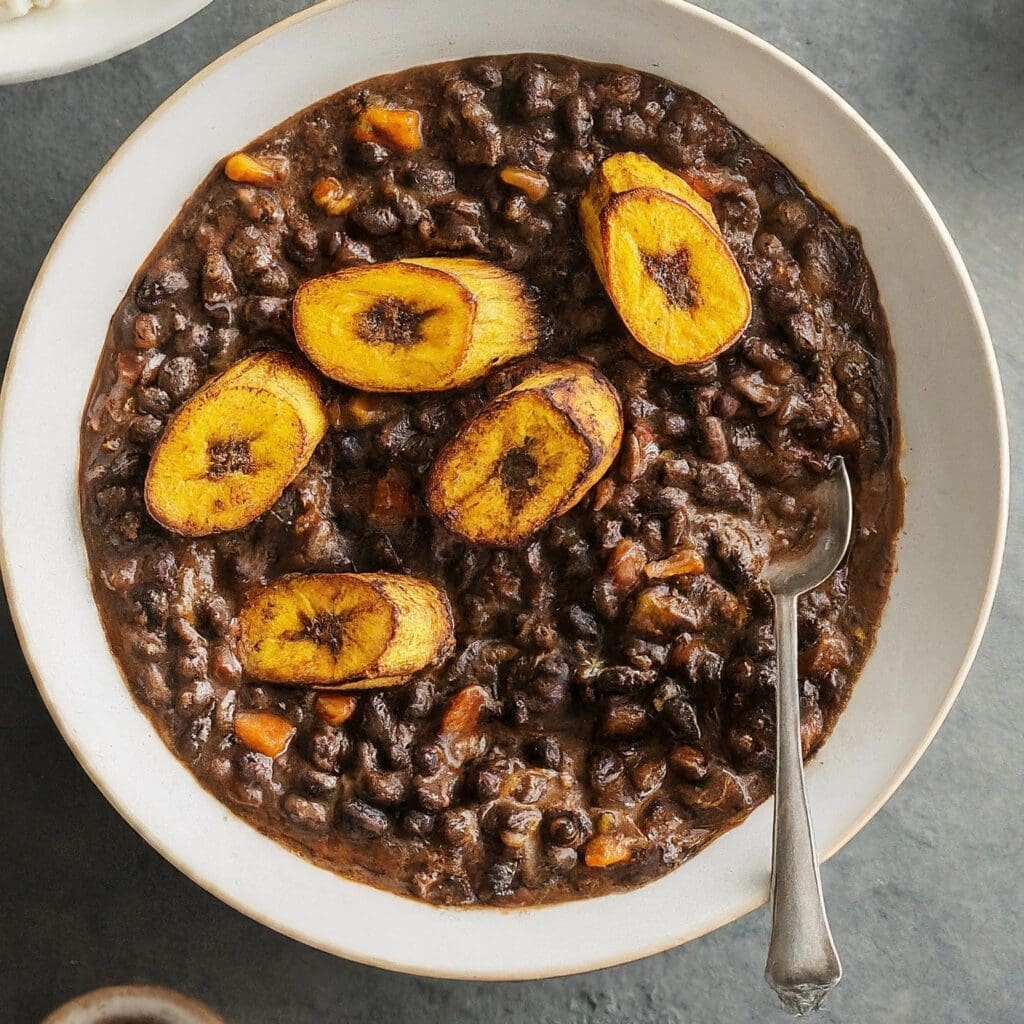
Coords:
233,447
529,455
415,325
345,631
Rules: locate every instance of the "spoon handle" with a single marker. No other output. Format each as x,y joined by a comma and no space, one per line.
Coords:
803,966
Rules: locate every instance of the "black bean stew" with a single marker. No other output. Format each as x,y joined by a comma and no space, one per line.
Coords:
625,712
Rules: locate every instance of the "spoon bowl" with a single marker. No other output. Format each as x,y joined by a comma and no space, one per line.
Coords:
808,566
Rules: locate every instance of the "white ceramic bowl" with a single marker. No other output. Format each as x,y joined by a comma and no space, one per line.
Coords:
72,34
955,464
126,1003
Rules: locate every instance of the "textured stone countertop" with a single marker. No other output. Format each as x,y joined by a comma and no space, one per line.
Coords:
927,901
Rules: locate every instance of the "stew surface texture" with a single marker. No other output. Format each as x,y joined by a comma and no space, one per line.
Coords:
629,716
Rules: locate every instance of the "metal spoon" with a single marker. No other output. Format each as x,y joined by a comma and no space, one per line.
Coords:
803,965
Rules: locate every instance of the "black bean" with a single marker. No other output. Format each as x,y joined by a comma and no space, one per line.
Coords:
689,762
606,769
179,377
194,340
610,119
562,859
645,655
145,430
623,679
635,130
125,466
360,815
578,118
681,717
327,746
741,554
726,405
417,823
573,166
520,820
620,87
408,207
719,485
194,698
570,828
349,252
254,768
716,443
421,698
582,623
788,217
459,827
302,246
433,794
487,74
664,501
386,789
487,784
501,878
546,687
350,450
546,752
155,603
147,331
316,783
164,281
370,155
427,758
720,798
647,774
192,665
376,219
535,93
431,416
151,686
154,401
268,313
482,143
622,719
306,813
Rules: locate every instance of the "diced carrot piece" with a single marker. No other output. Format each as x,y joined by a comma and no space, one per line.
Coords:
332,197
462,715
606,851
400,127
603,493
335,708
253,171
392,498
627,562
680,563
365,410
532,184
263,732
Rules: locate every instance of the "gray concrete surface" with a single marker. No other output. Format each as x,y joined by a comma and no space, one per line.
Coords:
926,902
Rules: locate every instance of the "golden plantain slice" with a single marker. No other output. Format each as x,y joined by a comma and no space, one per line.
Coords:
346,631
623,172
233,447
529,455
415,325
671,276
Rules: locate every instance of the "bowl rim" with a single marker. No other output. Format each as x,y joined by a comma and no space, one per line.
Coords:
573,963
127,34
164,1005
